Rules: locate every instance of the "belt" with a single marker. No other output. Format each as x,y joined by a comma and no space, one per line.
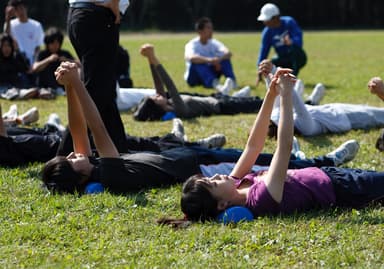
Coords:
83,5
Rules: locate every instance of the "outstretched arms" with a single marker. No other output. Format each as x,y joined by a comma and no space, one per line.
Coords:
82,111
277,172
259,130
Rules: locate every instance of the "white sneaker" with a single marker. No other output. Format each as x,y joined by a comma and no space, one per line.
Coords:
243,92
227,87
213,141
316,95
299,87
178,129
54,120
345,152
296,150
11,113
32,115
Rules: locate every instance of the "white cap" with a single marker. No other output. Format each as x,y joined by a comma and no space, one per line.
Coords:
268,11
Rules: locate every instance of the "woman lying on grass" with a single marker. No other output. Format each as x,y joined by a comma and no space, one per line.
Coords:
182,105
121,173
279,189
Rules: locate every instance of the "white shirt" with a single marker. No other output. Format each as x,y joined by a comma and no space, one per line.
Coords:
213,48
28,35
123,4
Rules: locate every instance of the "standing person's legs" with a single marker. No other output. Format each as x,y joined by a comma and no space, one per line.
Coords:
95,38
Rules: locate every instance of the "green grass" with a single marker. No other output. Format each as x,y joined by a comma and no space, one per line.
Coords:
39,230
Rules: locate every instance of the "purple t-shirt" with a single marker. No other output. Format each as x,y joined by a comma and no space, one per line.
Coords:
303,189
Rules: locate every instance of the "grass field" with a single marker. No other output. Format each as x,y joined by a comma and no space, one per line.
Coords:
40,230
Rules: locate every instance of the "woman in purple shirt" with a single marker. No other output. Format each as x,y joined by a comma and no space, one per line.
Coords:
279,190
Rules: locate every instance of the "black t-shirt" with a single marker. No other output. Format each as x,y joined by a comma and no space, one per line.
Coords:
46,77
136,171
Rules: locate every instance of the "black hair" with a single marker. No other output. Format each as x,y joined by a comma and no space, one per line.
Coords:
197,203
200,23
59,176
4,37
148,110
53,34
16,3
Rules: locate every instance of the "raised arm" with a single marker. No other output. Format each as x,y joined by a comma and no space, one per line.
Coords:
82,110
277,172
258,134
179,106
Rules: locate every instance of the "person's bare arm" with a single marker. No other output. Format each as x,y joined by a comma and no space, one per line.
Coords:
67,74
277,172
41,65
9,13
258,134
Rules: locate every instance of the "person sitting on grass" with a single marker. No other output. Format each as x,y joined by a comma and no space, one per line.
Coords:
48,60
312,120
182,105
118,173
278,190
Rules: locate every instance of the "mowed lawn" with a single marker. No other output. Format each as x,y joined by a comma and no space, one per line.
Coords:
41,230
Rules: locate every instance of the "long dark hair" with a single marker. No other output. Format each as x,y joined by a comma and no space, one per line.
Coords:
197,203
6,38
59,176
148,110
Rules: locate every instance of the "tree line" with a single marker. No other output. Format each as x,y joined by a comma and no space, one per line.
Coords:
227,15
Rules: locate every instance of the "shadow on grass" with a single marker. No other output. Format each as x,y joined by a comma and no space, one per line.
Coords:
327,86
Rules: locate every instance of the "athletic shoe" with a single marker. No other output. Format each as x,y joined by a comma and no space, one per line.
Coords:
46,93
243,92
28,93
11,113
213,141
178,129
54,120
296,149
344,153
299,87
10,94
32,115
227,87
316,95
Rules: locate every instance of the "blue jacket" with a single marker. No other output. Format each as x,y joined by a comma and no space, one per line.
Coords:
273,37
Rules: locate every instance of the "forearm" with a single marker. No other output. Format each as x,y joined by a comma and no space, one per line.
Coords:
256,138
102,140
40,65
198,59
77,123
158,84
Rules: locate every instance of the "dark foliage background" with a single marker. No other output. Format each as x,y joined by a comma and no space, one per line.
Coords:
228,15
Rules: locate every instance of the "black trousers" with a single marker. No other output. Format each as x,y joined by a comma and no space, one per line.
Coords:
234,105
95,38
25,145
